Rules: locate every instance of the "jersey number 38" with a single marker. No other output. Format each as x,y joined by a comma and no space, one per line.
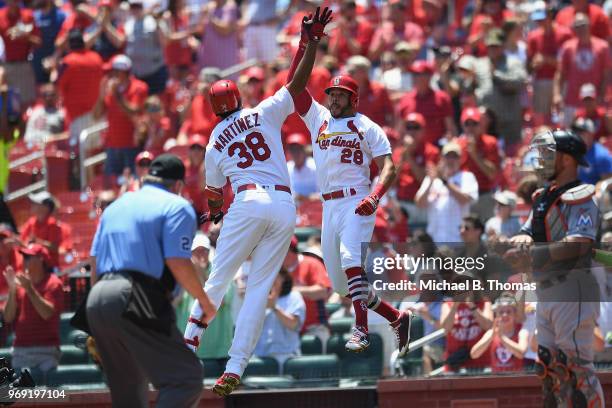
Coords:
253,148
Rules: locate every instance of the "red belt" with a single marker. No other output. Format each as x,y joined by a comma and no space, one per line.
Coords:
338,194
245,187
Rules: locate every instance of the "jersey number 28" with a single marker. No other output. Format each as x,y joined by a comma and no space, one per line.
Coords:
253,148
357,156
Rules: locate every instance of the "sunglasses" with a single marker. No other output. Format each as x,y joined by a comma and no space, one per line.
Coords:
413,127
470,123
144,163
465,228
153,109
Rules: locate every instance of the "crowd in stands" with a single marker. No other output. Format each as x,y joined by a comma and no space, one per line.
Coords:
460,88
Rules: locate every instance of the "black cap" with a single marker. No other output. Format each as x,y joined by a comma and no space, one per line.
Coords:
570,143
75,39
168,166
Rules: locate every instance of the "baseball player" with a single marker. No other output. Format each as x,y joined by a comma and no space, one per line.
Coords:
564,212
344,144
246,146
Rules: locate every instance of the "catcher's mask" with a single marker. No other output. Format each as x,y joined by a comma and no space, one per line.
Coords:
544,150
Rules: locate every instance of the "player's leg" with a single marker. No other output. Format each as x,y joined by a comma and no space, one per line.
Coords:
330,247
547,355
266,260
574,324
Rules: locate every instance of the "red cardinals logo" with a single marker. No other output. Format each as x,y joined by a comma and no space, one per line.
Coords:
322,128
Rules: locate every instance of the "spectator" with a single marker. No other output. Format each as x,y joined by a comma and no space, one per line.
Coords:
506,342
20,35
503,224
195,173
46,121
253,92
447,193
398,79
514,45
80,16
153,127
261,22
121,98
583,59
220,44
79,84
492,17
199,117
218,339
181,44
543,44
394,27
280,336
352,35
598,156
592,110
501,81
302,169
104,35
465,319
460,84
600,25
34,306
480,156
49,18
375,102
311,281
42,227
145,39
412,158
133,182
434,105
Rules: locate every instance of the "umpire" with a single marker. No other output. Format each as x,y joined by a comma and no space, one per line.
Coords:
141,249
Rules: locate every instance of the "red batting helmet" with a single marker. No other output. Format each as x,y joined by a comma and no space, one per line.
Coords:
348,84
224,97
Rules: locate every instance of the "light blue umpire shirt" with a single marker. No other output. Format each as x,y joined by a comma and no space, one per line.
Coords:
142,229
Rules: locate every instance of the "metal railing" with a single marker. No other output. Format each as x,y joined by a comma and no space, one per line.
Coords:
84,143
30,188
396,364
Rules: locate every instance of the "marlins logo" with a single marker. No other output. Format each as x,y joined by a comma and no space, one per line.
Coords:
584,219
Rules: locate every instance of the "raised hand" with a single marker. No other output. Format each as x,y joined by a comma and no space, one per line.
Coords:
314,26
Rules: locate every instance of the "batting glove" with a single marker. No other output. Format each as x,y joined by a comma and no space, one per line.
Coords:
209,216
193,333
368,205
315,26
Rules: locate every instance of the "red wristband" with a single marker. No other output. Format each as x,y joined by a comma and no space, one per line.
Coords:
379,190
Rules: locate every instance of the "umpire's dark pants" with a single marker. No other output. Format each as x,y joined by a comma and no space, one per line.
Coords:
132,356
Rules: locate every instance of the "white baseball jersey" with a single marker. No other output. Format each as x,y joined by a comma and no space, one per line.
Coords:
343,148
247,147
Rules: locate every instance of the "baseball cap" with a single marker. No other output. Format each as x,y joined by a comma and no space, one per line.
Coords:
210,74
443,50
200,240
580,20
144,156
297,138
405,46
588,91
470,114
358,62
168,166
466,62
415,117
505,198
121,63
495,37
197,140
583,125
422,67
255,73
451,147
37,250
43,198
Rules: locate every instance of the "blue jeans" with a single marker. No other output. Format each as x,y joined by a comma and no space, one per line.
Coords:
118,158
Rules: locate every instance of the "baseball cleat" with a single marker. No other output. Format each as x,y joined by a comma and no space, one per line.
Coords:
226,384
401,328
359,341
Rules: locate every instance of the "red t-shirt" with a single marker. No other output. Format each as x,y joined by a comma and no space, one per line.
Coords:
16,50
200,119
178,52
374,102
79,82
407,184
581,64
31,330
48,230
362,32
120,126
599,120
435,106
488,149
600,26
310,271
465,333
502,359
477,28
547,44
